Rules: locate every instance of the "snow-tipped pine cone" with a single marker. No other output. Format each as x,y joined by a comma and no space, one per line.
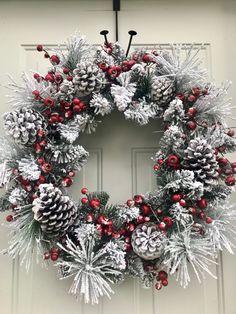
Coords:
88,79
200,158
55,212
23,125
148,241
162,90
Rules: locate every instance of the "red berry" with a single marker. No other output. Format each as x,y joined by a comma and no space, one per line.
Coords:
146,58
158,285
176,197
193,210
130,227
47,168
165,282
233,164
55,250
230,180
130,203
76,101
146,219
36,76
46,255
181,97
102,219
58,78
69,78
9,218
192,98
69,114
191,125
168,221
162,275
41,133
103,66
89,217
112,72
54,257
55,59
79,108
38,148
231,132
42,179
43,143
71,173
67,181
49,78
234,170
146,209
95,203
159,212
156,167
39,48
84,191
223,161
138,199
140,219
49,102
202,203
36,94
182,203
54,118
209,220
84,200
66,71
162,226
201,215
160,161
192,111
172,161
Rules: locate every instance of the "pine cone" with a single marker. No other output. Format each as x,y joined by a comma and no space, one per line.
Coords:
23,125
88,78
55,212
148,241
200,158
162,90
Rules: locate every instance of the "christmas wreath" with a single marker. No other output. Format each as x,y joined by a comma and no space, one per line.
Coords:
183,224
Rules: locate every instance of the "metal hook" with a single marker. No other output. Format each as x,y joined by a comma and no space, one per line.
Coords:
104,33
131,33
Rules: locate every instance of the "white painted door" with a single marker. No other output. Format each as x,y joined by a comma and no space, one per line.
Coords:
120,151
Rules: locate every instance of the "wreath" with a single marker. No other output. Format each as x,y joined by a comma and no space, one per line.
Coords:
183,224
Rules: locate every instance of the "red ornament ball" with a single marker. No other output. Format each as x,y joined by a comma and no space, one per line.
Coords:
162,226
95,203
230,180
66,71
156,167
182,203
231,132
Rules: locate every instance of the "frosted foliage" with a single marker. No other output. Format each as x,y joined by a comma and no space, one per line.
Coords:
101,105
29,169
92,270
184,69
188,249
174,111
140,112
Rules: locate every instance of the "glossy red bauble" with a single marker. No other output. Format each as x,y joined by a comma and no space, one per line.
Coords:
95,203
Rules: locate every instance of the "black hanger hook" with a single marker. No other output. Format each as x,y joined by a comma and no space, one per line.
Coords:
132,34
104,33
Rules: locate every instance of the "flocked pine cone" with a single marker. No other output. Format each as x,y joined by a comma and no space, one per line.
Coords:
200,158
55,212
88,78
148,241
162,90
23,125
